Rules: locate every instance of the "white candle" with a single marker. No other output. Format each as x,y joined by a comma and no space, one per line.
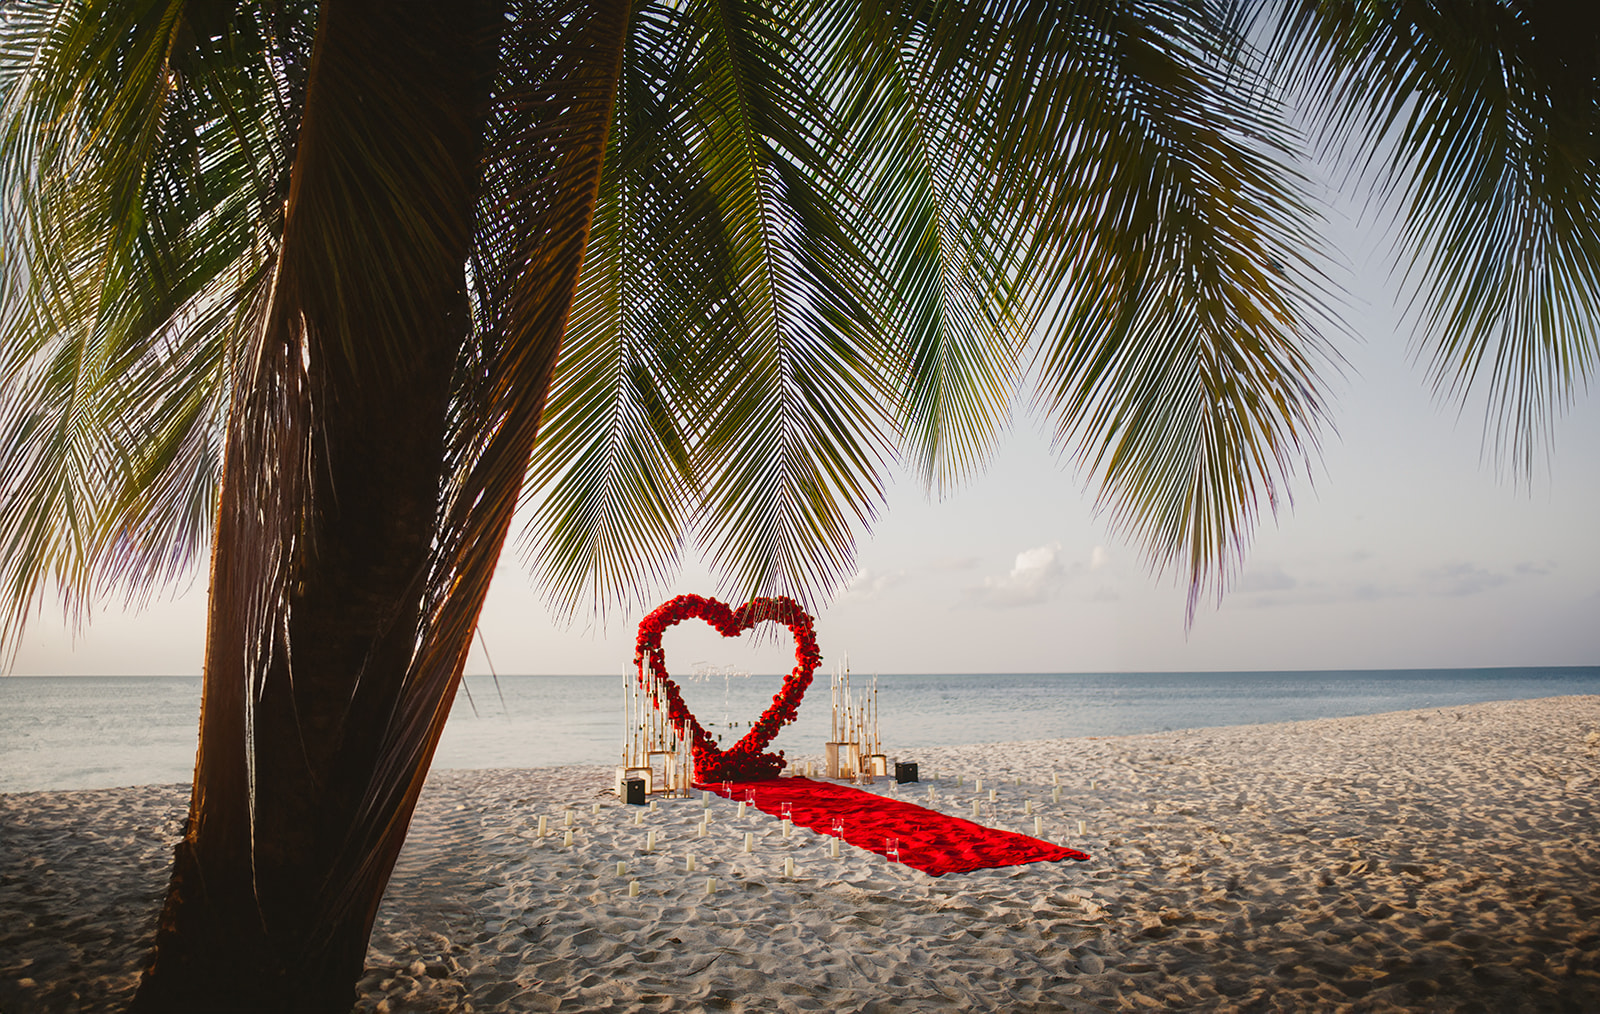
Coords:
688,863
1080,827
1055,778
977,785
595,809
700,830
749,842
566,839
544,825
705,800
569,818
788,866
638,818
622,867
650,841
1055,795
633,888
652,806
834,848
993,795
1038,827
741,808
711,885
1092,784
1027,807
788,826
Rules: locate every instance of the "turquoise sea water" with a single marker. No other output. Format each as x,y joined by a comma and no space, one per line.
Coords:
94,732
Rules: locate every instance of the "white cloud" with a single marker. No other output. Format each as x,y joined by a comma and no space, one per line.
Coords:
868,585
1267,577
1462,579
1036,577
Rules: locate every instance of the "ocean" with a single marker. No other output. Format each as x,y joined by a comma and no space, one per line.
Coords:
59,732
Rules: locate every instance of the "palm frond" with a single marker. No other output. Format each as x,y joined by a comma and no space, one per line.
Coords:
1180,361
935,97
724,368
613,460
1482,116
141,159
794,430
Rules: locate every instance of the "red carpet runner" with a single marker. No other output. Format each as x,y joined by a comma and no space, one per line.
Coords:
930,841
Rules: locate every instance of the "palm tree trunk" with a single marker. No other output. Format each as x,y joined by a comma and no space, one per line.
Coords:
329,509
349,568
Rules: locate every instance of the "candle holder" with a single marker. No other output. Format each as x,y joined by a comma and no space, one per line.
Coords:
891,849
786,811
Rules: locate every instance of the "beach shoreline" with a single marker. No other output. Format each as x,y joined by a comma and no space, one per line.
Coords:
1441,859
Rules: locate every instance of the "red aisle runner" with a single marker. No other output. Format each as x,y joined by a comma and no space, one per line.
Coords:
930,841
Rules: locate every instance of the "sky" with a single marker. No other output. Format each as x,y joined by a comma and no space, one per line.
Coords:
1405,548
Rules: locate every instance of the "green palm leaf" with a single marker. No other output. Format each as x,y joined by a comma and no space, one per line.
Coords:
722,373
1180,361
150,156
1483,117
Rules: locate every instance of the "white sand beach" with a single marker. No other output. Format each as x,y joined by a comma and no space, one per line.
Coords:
1437,860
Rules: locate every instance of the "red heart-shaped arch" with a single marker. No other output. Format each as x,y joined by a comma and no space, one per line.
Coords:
746,759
